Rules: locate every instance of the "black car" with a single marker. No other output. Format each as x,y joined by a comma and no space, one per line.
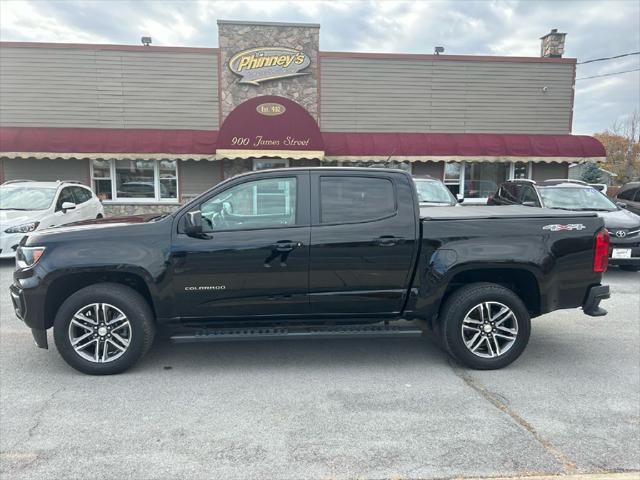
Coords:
629,195
574,195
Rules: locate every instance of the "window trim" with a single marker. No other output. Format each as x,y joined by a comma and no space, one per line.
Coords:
139,201
355,222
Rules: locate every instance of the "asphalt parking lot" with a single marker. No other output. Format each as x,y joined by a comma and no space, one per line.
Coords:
369,409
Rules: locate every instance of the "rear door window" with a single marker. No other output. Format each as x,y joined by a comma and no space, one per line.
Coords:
351,199
628,194
81,194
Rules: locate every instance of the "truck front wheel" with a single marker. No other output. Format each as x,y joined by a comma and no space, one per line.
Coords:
103,329
485,326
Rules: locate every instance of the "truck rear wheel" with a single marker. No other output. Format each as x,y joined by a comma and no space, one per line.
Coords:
485,326
103,329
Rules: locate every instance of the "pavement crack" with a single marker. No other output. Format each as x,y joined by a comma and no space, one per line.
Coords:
567,464
38,418
41,410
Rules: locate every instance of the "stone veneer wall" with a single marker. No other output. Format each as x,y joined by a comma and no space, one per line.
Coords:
235,37
117,209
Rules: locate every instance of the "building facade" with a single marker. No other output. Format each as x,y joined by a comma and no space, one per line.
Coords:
151,127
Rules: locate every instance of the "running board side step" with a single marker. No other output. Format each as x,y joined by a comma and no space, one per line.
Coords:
291,333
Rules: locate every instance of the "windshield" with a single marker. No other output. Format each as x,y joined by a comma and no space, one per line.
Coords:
572,198
25,198
433,191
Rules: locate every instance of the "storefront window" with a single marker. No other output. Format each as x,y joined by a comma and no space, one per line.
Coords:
452,172
102,179
266,164
481,179
135,180
168,179
520,170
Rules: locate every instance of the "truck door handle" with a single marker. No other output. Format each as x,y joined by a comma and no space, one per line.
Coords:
388,240
286,245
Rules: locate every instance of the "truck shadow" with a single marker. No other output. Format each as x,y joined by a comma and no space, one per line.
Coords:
304,353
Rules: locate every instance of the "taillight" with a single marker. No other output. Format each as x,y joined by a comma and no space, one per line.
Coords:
601,256
490,201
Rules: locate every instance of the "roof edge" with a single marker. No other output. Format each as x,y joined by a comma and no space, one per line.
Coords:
105,46
268,24
427,56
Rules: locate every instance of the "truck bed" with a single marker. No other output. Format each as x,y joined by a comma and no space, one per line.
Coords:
496,212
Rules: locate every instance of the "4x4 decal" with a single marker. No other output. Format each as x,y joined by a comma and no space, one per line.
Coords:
558,228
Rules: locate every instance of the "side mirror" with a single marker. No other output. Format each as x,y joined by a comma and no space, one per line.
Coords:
67,206
621,204
460,198
193,224
529,203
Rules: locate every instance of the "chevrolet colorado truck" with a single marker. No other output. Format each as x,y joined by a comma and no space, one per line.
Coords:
308,252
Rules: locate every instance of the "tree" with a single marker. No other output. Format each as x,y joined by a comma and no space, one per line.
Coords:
622,143
591,173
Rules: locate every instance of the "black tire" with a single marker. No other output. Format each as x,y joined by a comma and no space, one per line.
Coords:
630,268
461,303
128,301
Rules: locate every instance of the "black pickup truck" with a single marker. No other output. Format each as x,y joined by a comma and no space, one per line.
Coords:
300,252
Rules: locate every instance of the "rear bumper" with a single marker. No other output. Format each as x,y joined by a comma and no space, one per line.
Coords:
595,295
632,244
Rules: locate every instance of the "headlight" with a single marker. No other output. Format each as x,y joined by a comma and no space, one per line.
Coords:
28,256
24,228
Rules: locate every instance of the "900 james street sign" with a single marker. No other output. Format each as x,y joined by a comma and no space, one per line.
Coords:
257,65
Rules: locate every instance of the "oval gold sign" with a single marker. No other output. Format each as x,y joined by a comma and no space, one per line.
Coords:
270,109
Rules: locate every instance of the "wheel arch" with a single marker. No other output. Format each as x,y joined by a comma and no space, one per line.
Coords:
521,280
65,285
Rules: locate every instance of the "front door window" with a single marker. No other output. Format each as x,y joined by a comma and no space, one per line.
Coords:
266,203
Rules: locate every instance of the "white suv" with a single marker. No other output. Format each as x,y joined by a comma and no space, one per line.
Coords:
26,206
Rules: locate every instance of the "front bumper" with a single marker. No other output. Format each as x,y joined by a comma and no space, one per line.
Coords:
595,295
28,305
9,243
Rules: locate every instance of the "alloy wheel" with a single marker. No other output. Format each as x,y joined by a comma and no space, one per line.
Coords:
100,332
489,329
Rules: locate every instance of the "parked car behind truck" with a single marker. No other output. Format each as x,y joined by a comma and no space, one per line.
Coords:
573,195
302,252
26,206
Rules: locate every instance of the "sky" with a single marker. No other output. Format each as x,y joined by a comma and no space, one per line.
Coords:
595,29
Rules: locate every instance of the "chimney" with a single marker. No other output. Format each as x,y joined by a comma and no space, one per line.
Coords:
552,45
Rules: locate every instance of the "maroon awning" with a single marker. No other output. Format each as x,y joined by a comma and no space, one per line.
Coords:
91,141
158,143
454,146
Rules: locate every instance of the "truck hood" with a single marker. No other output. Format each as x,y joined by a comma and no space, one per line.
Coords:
94,229
620,219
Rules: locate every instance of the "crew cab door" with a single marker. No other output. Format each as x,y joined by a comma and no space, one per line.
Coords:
363,242
252,258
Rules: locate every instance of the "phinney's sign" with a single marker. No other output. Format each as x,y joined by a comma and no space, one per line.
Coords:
257,65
